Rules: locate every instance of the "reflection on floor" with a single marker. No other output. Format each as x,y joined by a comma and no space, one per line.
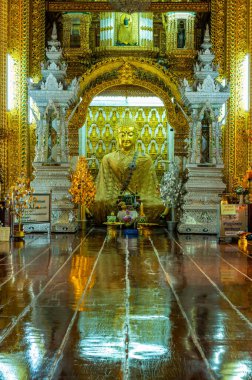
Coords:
92,306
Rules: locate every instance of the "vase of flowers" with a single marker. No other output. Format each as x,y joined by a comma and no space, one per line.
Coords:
171,192
19,199
241,192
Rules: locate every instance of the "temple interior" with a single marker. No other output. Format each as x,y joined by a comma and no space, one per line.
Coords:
126,190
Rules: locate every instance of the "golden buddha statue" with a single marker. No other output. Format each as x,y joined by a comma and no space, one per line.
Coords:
127,170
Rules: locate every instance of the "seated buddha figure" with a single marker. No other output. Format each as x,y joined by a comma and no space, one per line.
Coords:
127,170
125,30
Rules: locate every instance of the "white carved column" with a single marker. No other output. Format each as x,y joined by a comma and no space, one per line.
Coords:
204,98
64,151
53,96
39,149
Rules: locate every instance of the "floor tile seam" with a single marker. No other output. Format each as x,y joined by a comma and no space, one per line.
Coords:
33,302
126,326
24,267
237,249
235,309
60,351
232,266
218,255
26,244
189,325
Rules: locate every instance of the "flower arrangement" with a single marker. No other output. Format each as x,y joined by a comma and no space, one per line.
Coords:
127,218
171,188
20,198
241,190
82,189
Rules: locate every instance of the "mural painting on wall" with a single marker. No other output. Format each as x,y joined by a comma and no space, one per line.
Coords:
101,126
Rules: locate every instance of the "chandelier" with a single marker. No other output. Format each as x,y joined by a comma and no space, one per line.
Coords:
130,6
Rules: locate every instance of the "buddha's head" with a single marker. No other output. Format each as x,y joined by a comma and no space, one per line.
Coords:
127,136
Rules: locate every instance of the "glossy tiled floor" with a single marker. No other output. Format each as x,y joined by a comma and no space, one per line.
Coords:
92,307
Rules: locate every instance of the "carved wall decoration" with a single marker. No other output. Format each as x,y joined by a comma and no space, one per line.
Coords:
236,147
24,74
14,116
77,6
37,43
101,132
18,29
218,33
3,100
250,90
13,148
134,71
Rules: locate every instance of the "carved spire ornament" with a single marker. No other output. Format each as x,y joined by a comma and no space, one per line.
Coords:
204,98
53,96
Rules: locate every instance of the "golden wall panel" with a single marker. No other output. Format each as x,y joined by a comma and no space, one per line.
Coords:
13,146
14,48
3,84
250,114
101,126
18,128
236,145
37,38
101,6
218,32
24,74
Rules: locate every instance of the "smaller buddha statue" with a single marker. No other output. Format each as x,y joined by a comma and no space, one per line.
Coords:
153,150
114,117
153,119
94,134
107,133
160,136
100,118
100,149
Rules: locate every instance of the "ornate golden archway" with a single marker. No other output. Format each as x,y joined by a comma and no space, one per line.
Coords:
130,71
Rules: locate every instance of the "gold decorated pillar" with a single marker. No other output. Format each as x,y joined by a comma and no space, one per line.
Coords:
3,85
67,24
250,90
37,38
231,30
85,22
18,127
